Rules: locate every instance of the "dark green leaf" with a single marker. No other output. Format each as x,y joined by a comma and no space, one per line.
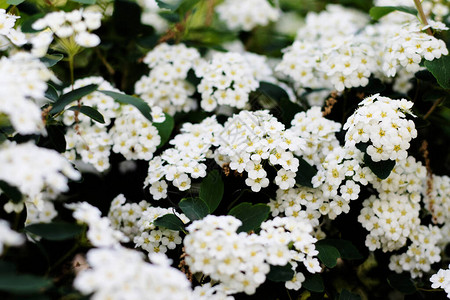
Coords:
11,192
251,215
272,90
14,2
28,22
165,129
51,93
314,283
440,68
378,12
305,173
211,190
346,249
402,283
90,112
140,104
7,267
169,221
55,140
425,75
85,1
327,254
170,5
194,208
55,231
346,295
280,273
71,96
381,168
23,284
50,60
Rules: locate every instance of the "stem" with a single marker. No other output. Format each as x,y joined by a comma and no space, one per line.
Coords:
435,104
423,18
70,58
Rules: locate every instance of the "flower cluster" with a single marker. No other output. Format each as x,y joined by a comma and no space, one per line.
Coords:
7,31
250,140
133,135
71,28
136,221
381,123
246,15
123,274
441,280
100,233
37,172
166,85
227,79
185,160
22,87
9,237
239,261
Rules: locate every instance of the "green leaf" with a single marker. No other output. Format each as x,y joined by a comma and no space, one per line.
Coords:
402,283
346,295
251,215
14,2
90,112
171,5
55,231
272,90
281,273
378,12
50,60
381,168
314,283
23,283
51,93
165,129
71,96
211,190
169,221
346,249
11,192
56,139
140,104
440,68
28,22
305,173
84,1
327,254
194,208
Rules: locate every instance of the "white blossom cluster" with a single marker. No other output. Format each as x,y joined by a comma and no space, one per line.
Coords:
100,232
121,273
409,45
150,15
8,34
166,85
251,141
38,173
318,132
85,138
69,27
381,122
441,280
239,261
185,160
227,79
9,237
133,135
246,15
438,201
22,86
326,54
136,222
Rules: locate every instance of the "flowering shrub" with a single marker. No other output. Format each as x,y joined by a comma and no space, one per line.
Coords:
253,149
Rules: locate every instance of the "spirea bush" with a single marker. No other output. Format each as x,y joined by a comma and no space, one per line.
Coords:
224,149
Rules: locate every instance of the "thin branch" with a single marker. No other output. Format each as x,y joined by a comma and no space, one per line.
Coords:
435,104
423,18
